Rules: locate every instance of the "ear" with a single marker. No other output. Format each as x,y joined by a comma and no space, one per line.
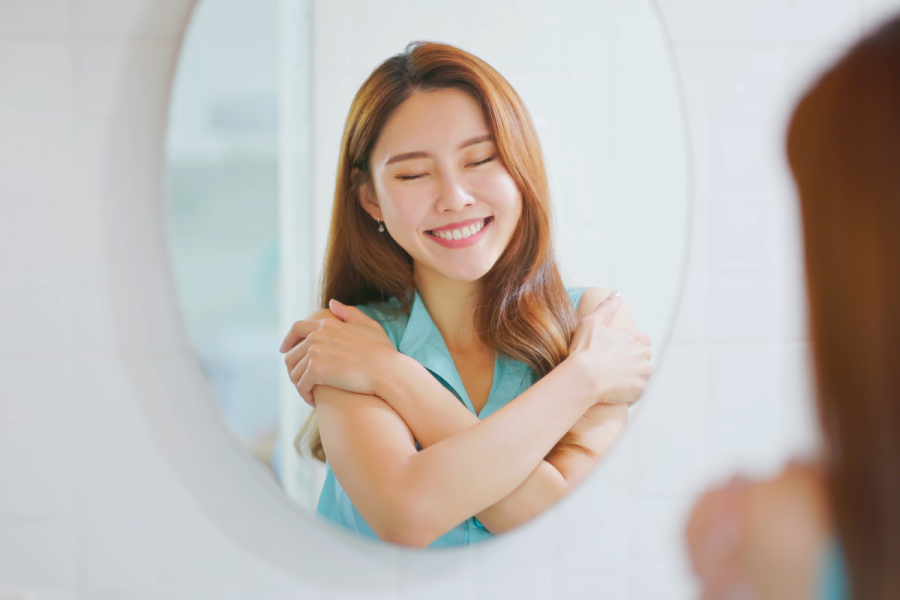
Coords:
368,200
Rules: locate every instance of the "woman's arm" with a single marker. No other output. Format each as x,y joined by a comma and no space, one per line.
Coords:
613,365
414,497
443,415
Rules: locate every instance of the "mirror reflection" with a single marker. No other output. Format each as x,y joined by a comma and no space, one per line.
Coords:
222,201
462,360
444,304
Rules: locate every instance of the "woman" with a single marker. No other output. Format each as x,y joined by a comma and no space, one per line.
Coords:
441,239
832,530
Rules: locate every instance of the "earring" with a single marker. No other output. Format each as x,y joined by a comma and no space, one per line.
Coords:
380,225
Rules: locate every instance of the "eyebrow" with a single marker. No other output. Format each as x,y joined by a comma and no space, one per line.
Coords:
419,154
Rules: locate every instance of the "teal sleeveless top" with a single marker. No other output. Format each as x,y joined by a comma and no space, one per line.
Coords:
832,581
416,336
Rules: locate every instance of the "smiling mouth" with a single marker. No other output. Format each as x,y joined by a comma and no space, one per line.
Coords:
461,233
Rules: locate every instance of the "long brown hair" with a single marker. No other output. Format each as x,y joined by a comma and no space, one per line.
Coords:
524,311
844,151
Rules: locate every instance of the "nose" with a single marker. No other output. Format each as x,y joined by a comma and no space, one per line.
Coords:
452,193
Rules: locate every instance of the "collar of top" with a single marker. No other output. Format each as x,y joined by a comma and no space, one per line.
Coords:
423,342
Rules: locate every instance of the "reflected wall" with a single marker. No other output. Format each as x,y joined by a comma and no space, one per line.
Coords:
222,203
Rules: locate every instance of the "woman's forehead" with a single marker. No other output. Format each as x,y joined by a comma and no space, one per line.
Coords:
432,121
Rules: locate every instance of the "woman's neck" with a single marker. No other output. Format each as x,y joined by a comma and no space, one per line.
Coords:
451,305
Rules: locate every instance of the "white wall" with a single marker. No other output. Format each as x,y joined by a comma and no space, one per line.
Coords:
93,499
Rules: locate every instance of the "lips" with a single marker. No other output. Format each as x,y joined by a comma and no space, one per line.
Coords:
461,237
461,230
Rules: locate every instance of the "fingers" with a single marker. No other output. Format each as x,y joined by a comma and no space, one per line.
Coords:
305,386
299,331
299,369
642,338
298,352
348,314
607,309
713,534
301,376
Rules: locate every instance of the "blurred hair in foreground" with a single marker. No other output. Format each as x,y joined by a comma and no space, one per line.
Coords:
844,152
832,530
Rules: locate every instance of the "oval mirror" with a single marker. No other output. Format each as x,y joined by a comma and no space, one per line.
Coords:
255,124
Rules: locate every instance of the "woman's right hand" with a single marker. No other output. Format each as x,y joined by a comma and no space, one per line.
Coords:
615,362
343,348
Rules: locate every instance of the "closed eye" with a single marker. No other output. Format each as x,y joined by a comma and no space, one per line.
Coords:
410,177
420,175
485,161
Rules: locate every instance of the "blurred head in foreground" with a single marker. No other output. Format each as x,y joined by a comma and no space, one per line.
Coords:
844,152
843,146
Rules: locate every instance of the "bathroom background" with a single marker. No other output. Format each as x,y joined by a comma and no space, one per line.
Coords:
89,508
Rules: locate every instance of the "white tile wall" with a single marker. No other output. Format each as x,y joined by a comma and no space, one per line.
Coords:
131,18
117,552
38,553
824,21
91,503
41,17
876,11
750,21
109,89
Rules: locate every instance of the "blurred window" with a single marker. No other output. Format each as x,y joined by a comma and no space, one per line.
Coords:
222,189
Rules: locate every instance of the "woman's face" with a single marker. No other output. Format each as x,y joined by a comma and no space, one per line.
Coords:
440,187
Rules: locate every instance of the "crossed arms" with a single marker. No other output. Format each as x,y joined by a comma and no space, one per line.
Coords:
494,469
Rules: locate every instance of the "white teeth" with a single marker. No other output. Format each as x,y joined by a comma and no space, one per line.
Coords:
459,234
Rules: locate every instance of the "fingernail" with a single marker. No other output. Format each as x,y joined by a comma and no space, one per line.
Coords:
333,302
614,294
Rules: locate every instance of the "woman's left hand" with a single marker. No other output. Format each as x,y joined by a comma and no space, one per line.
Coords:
715,537
761,539
350,352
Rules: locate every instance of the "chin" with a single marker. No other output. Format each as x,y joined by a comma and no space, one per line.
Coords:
466,274
463,269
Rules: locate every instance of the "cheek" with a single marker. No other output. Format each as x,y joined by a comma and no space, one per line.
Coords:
502,193
403,208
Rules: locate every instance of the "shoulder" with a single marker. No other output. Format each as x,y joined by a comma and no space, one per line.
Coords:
378,312
387,314
322,313
390,316
592,297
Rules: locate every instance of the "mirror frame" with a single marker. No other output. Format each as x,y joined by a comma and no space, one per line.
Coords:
181,412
